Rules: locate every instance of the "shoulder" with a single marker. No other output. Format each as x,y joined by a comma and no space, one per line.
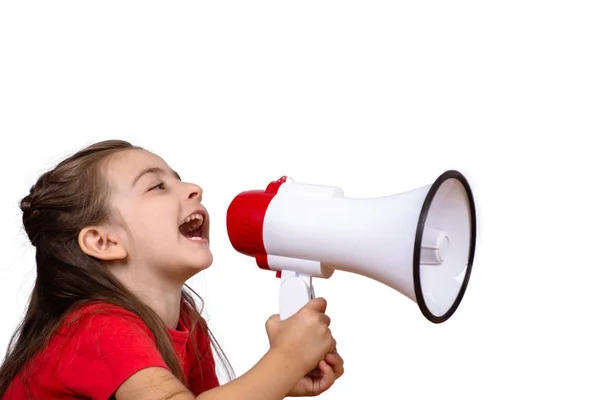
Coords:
96,349
102,345
110,336
97,319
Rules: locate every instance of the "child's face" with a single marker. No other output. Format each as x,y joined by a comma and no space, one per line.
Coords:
151,207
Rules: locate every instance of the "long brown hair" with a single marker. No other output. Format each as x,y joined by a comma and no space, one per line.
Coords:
63,201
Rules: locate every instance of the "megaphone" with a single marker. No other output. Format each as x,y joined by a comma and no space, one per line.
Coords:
420,243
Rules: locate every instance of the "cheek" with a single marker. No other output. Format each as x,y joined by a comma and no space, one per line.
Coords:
159,222
157,227
151,220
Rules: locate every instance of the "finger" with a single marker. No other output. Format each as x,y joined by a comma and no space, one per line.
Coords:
333,345
336,362
334,359
318,304
318,371
327,376
325,319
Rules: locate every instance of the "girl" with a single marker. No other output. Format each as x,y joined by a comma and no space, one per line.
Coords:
117,234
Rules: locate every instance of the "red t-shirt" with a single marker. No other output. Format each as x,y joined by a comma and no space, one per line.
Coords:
92,358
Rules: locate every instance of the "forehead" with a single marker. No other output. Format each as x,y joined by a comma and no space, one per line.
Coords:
123,167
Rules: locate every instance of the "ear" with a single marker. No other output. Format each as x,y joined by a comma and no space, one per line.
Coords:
101,243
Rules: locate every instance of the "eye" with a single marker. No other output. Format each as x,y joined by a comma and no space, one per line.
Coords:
159,186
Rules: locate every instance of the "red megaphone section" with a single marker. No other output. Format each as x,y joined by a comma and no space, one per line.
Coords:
245,219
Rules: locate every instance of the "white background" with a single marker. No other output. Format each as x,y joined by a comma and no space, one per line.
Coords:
375,97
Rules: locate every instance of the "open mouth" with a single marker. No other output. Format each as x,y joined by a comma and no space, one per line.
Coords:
193,227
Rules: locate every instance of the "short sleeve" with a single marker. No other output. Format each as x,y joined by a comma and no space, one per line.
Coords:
103,350
203,375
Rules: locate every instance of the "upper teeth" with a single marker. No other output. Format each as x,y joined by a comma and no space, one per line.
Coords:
194,216
197,220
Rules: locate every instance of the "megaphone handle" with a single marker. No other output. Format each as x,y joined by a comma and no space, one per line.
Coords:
295,291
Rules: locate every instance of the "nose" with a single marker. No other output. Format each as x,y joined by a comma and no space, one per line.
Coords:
194,191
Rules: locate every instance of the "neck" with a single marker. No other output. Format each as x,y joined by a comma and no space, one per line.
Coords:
162,297
166,303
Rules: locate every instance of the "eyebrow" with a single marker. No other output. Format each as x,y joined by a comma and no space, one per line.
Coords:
153,170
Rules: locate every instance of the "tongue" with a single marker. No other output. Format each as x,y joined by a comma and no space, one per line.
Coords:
184,230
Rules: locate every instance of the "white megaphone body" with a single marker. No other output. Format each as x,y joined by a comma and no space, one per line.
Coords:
420,243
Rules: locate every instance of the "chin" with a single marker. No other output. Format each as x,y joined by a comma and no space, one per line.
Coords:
184,268
200,263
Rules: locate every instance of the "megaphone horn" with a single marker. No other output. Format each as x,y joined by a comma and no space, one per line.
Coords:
420,243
